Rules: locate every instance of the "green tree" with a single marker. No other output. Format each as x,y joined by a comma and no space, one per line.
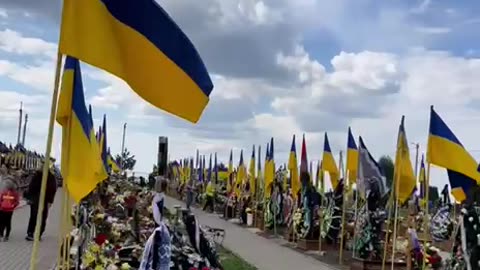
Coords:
126,160
386,164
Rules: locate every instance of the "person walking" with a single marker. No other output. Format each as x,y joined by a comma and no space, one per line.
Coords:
190,194
9,200
158,201
210,197
33,196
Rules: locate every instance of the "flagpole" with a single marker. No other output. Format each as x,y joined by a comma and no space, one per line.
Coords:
426,217
355,220
344,201
62,228
46,164
321,214
65,198
274,202
397,190
69,228
385,247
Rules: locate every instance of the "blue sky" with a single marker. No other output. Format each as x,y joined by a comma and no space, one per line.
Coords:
280,67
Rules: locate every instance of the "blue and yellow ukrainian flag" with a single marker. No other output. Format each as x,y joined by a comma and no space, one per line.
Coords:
269,169
259,169
446,151
112,163
215,176
204,169
241,174
293,168
140,43
78,166
266,173
352,158
209,172
191,169
329,164
100,171
251,172
230,173
98,134
200,170
404,176
422,179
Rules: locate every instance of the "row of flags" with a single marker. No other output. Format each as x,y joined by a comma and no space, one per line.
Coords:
444,150
24,160
186,171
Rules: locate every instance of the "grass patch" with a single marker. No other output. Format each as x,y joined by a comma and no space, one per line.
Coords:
232,262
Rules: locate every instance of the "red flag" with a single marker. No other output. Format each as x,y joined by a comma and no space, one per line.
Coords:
304,161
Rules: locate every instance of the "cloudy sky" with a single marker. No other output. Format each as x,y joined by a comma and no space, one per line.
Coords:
280,67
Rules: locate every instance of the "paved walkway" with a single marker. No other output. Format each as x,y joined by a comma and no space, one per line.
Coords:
15,254
263,253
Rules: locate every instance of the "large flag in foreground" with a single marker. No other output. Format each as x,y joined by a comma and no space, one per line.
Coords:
369,173
140,43
78,164
446,151
404,177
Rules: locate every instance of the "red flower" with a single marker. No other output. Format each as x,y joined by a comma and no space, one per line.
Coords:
434,259
205,268
100,239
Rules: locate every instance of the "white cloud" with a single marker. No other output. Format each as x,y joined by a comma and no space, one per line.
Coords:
422,7
10,103
13,42
433,30
300,61
3,13
38,76
238,88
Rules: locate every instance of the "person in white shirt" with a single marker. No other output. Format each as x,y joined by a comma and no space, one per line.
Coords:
157,252
158,201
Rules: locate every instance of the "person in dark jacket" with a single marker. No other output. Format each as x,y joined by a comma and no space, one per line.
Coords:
33,196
